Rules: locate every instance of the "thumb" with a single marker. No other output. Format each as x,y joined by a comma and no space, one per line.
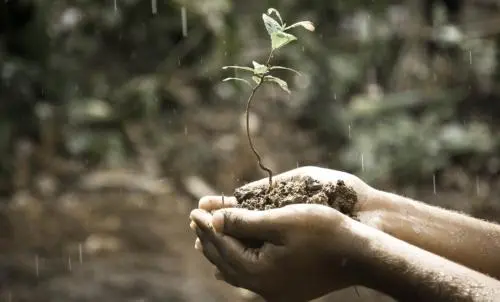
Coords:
249,224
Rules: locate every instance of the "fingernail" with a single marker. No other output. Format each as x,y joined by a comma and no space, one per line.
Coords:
197,245
192,225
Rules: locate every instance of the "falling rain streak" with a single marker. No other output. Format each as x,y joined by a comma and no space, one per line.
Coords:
70,266
434,182
37,270
80,253
154,7
116,5
184,21
477,185
362,163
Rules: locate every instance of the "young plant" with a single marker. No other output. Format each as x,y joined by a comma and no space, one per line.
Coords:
261,73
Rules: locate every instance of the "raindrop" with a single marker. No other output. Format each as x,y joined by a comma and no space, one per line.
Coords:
37,271
362,163
184,21
349,131
80,253
470,57
70,266
9,297
154,7
298,164
116,5
335,96
434,183
185,130
477,185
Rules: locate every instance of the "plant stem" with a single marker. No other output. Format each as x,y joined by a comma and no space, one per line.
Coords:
247,113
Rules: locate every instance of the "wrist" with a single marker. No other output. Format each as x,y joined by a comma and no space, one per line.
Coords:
356,259
373,264
375,208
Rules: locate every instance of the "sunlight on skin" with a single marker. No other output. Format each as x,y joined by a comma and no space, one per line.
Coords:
408,227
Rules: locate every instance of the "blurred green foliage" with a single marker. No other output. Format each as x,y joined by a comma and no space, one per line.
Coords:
380,81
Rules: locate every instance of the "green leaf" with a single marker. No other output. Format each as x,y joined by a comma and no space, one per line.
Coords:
256,80
272,26
276,12
280,39
305,24
238,79
284,68
239,67
278,81
259,69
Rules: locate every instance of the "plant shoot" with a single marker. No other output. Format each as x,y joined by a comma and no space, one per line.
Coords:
261,73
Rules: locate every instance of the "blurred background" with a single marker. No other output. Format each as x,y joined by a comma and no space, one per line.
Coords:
114,121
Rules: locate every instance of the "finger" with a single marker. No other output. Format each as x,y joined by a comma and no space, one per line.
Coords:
223,255
221,277
248,224
197,245
210,251
232,251
212,203
201,219
218,275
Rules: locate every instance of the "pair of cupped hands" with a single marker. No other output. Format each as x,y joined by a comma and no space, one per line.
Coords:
307,250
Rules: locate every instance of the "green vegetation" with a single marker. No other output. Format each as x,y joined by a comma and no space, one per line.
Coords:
387,91
261,73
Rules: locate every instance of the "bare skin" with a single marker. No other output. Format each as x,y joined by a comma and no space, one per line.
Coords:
291,255
466,240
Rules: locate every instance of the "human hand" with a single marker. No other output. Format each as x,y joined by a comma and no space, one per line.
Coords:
367,209
308,250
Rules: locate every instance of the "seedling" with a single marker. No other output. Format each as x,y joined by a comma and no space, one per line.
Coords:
261,73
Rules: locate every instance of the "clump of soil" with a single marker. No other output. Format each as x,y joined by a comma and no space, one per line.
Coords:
298,190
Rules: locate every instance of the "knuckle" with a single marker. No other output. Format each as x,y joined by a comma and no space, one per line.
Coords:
253,271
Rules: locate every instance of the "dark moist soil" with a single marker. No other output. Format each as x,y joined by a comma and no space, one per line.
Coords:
298,190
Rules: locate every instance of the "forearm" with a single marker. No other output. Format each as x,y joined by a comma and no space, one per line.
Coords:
408,273
458,237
